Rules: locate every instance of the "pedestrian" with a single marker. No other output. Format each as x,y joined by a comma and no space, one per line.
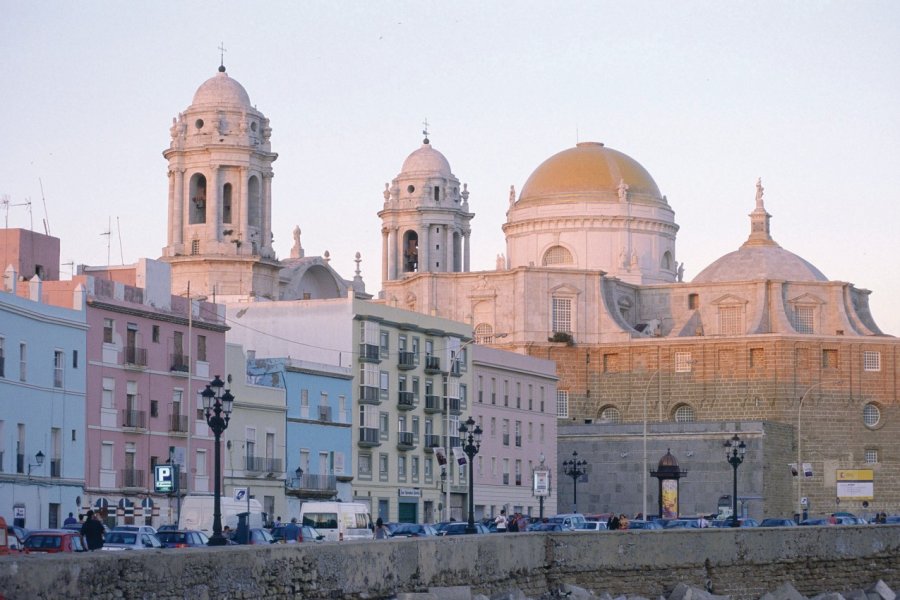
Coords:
292,531
623,521
614,523
512,525
70,520
92,530
501,521
381,530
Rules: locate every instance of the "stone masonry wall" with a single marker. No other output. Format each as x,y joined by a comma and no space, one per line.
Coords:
742,562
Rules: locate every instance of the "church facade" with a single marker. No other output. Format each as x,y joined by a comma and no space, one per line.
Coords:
590,280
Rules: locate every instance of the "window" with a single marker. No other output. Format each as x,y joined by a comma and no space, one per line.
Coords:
757,358
401,467
682,362
493,427
385,343
562,315
59,365
518,394
506,392
803,319
871,415
343,415
506,432
829,359
730,320
557,255
541,439
74,360
871,361
871,456
484,334
108,395
518,472
155,334
693,301
429,469
530,431
201,348
414,468
154,408
684,414
383,467
108,331
23,362
505,471
250,445
195,247
304,404
2,359
384,425
610,414
562,404
106,456
365,465
518,432
384,382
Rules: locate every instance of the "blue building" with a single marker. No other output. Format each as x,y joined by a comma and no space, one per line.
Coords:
318,433
42,403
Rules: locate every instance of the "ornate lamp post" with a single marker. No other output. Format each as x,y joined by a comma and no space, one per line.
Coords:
574,468
39,459
217,406
735,449
471,446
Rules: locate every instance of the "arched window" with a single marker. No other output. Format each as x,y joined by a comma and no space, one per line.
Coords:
666,262
197,213
226,203
610,414
410,252
557,255
484,334
684,414
254,203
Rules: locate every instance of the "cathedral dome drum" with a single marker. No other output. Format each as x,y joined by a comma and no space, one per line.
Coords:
426,161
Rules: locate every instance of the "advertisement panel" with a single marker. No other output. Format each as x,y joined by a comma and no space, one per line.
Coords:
542,483
669,498
856,484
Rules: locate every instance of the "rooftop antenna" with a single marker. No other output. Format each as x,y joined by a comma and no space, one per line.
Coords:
108,234
46,216
121,252
6,203
425,131
222,57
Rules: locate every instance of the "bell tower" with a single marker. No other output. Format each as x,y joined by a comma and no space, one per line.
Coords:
425,219
220,194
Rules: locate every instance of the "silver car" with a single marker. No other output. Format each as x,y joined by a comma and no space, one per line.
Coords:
130,540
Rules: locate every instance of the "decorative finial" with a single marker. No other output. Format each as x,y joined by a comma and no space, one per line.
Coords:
759,193
512,195
222,57
425,131
327,256
357,260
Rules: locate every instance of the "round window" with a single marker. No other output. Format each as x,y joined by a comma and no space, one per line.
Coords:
610,414
871,415
198,123
411,189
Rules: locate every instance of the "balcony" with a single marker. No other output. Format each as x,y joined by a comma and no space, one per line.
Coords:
178,423
406,360
368,437
369,353
136,357
406,400
432,364
312,486
178,362
261,464
134,419
454,406
405,440
433,404
56,467
369,395
432,441
132,478
454,368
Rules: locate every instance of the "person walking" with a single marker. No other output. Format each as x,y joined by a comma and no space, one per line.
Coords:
70,520
291,531
501,522
92,530
381,530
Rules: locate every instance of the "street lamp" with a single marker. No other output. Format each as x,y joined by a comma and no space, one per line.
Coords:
39,459
574,468
471,445
800,464
735,449
217,406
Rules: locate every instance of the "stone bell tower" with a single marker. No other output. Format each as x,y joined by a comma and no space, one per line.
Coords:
220,195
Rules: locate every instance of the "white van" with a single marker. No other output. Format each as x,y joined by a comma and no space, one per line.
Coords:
197,513
338,521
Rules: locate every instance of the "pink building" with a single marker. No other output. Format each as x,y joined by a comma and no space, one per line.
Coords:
148,359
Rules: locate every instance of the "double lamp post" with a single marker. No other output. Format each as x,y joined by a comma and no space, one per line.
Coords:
217,406
471,434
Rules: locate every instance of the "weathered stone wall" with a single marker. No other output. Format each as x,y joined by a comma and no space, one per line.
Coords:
742,562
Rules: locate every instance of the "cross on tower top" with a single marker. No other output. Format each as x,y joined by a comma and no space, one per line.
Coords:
425,131
222,57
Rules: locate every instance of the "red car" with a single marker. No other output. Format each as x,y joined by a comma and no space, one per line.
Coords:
54,540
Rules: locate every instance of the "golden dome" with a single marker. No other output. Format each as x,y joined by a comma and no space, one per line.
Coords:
588,168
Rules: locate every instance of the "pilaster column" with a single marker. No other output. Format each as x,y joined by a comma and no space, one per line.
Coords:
243,209
386,267
179,210
466,251
213,208
448,249
266,233
425,249
170,221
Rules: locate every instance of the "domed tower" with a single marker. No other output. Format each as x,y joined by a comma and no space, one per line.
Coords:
220,194
425,219
591,207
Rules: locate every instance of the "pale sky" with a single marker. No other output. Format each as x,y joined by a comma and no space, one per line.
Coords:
707,96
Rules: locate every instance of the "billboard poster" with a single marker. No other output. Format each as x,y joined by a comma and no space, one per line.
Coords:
669,498
542,483
856,484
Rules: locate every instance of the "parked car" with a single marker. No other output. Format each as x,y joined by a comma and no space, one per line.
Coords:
459,528
258,535
774,522
547,527
15,537
640,524
683,524
413,530
741,523
816,522
53,541
182,539
892,520
130,540
591,526
137,528
568,520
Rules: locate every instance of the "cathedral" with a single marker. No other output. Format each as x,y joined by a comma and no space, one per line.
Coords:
759,343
